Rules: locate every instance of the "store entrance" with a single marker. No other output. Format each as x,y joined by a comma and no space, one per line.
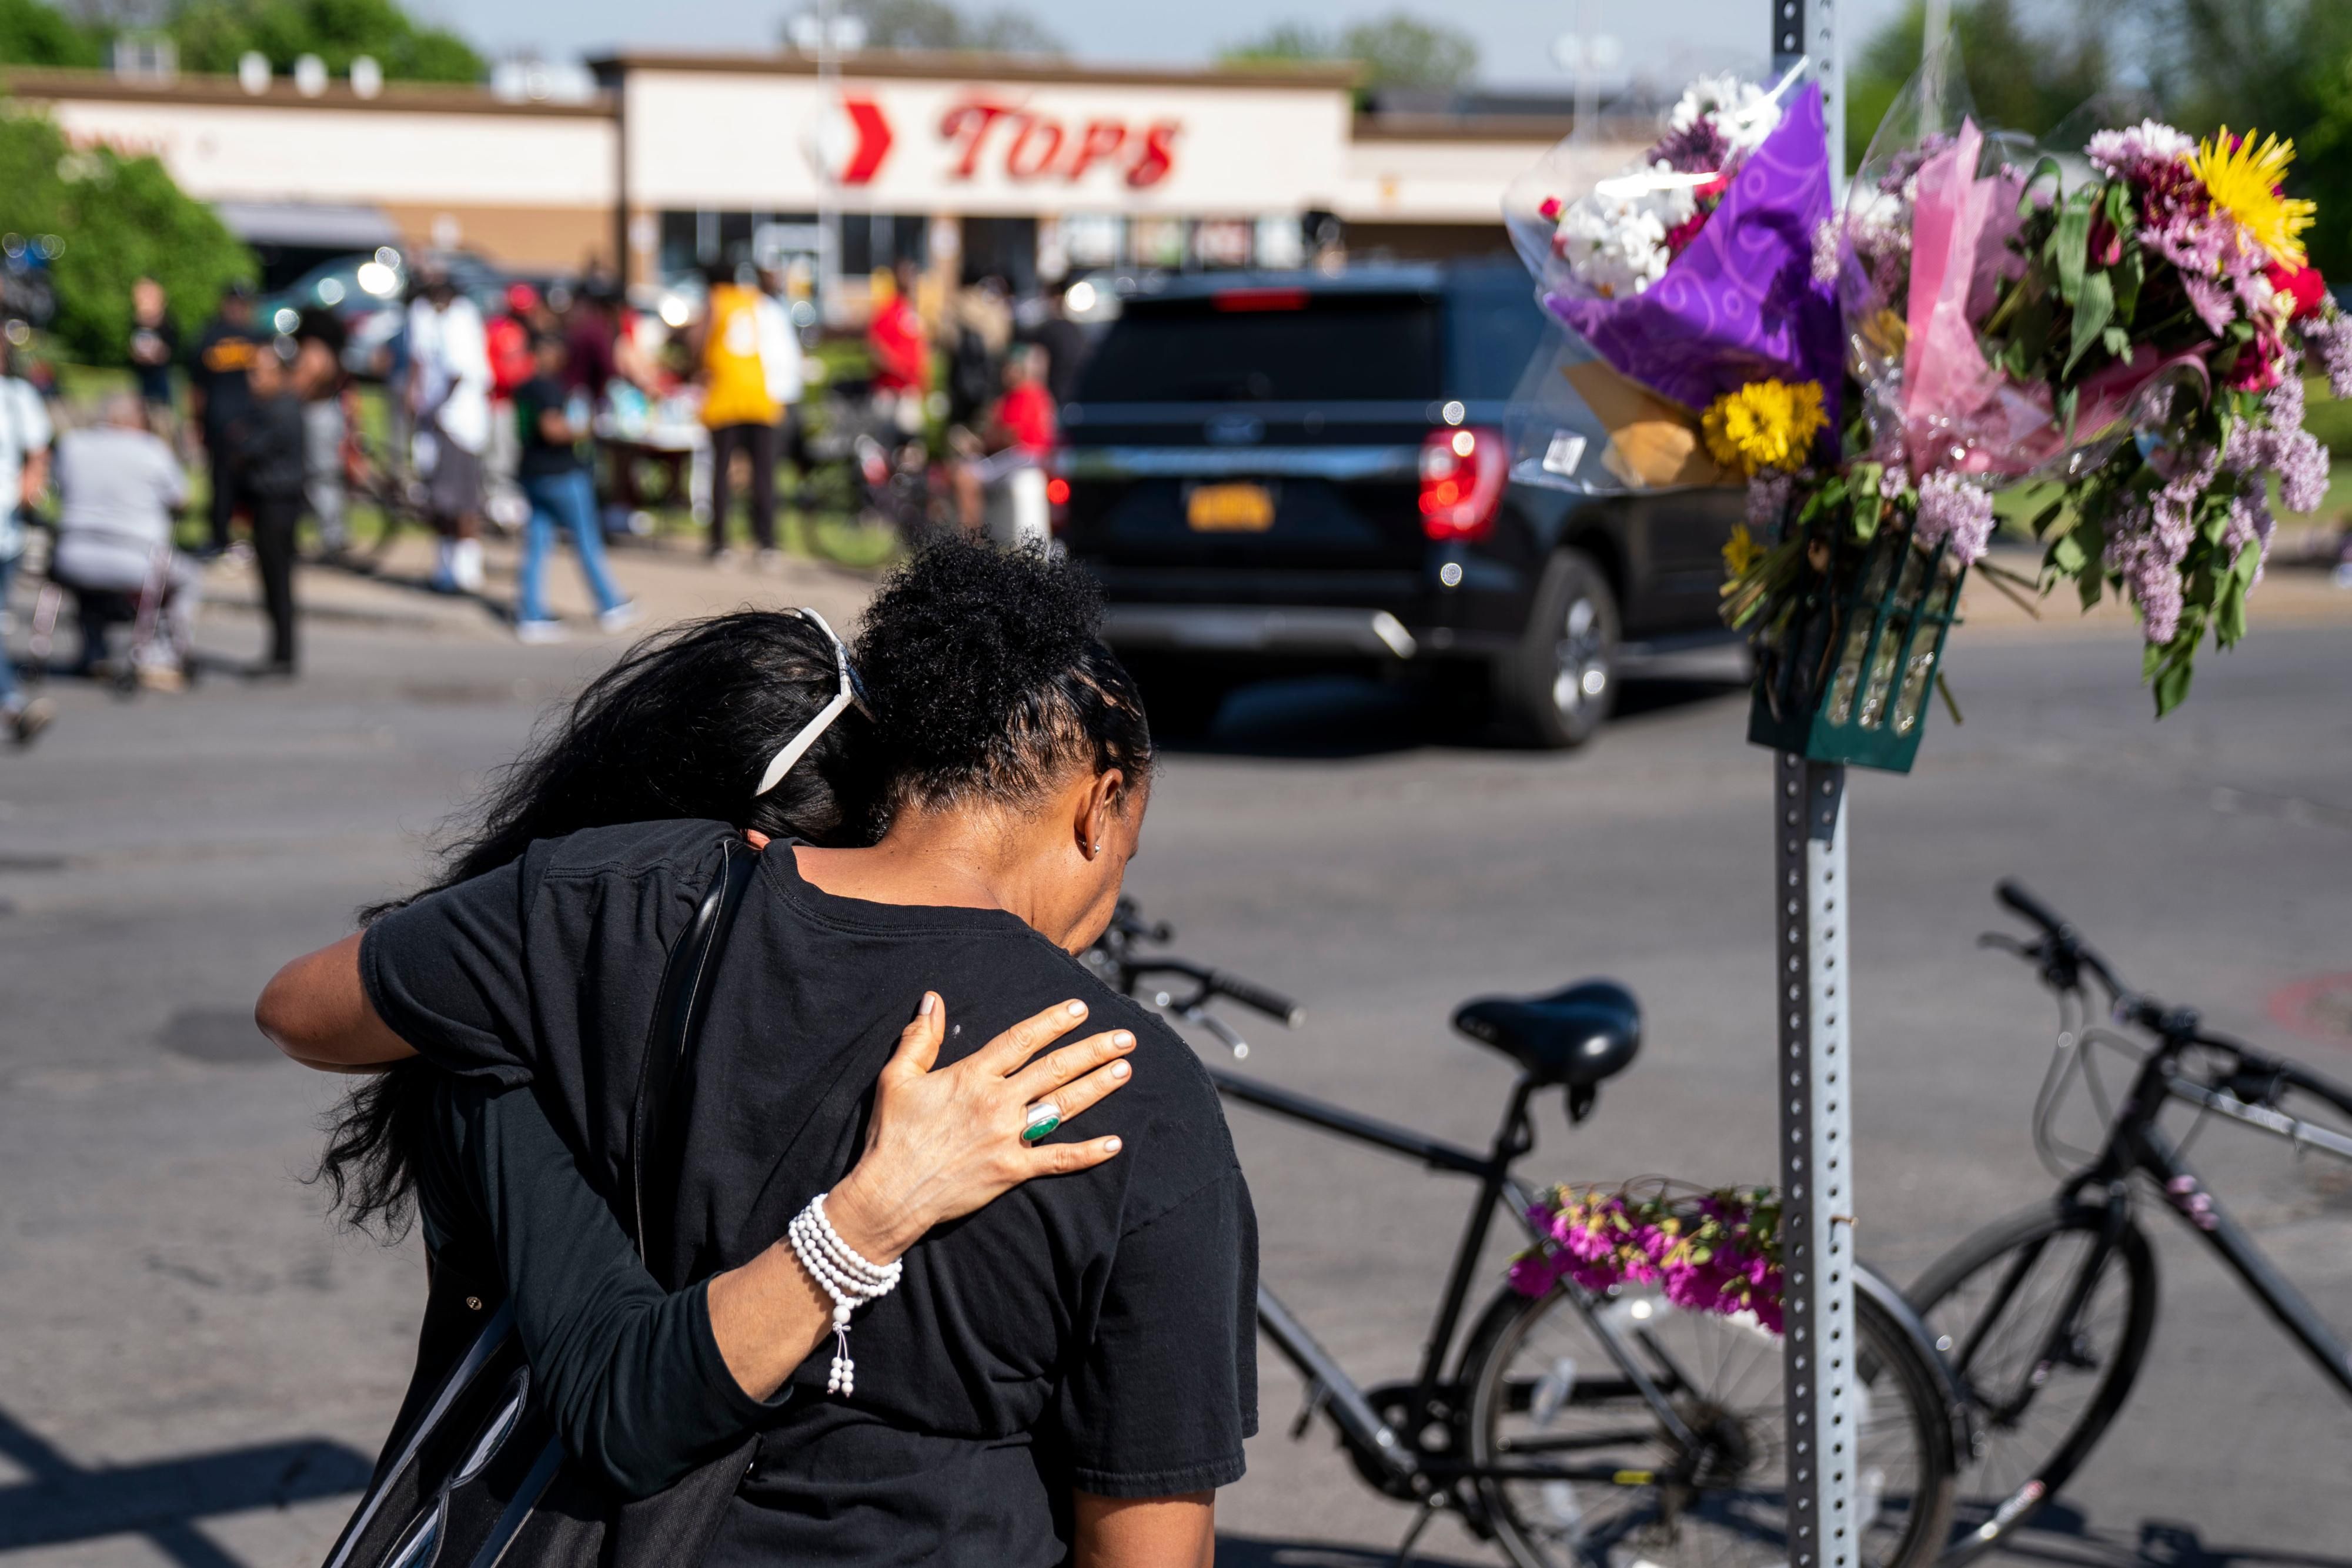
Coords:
1002,247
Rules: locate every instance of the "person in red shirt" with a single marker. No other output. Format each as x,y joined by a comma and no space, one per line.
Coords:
899,345
1024,416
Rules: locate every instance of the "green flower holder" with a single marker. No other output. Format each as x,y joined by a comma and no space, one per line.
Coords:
1851,680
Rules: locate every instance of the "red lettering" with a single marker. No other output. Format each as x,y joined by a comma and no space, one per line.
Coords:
1040,133
1159,155
1103,138
970,123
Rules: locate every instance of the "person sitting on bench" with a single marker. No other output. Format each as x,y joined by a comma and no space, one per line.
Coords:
117,487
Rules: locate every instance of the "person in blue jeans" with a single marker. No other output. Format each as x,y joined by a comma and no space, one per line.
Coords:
555,479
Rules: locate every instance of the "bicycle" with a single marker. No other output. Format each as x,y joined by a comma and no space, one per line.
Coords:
2045,1316
1576,1430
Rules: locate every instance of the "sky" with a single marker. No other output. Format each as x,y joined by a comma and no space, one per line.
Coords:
1514,36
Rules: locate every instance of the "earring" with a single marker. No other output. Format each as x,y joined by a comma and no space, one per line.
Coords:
1095,848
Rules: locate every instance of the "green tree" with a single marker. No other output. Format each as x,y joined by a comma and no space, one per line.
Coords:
935,24
212,34
33,34
118,218
1398,50
2021,80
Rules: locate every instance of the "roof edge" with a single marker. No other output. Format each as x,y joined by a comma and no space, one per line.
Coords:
42,83
959,64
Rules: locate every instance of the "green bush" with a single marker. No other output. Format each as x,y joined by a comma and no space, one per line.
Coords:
118,218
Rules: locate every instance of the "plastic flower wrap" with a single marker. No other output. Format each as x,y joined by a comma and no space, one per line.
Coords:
2123,318
1681,276
1711,1251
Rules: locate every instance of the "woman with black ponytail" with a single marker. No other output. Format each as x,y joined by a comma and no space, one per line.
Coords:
1066,1376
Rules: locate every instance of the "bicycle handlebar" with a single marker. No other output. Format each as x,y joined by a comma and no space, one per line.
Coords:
1273,1004
2062,951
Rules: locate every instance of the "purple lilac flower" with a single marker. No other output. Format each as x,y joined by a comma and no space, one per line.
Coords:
2250,524
1828,237
1892,480
1955,514
2331,339
2210,298
2150,569
1768,503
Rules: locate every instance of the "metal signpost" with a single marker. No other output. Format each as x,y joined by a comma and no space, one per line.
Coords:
1811,906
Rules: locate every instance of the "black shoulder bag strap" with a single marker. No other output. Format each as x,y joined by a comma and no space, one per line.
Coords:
655,1136
462,1484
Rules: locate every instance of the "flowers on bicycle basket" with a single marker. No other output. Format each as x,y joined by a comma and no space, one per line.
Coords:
1711,1251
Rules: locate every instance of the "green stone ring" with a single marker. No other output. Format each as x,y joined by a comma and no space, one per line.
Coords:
1044,1117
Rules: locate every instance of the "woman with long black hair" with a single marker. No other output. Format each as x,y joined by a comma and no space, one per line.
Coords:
1066,1376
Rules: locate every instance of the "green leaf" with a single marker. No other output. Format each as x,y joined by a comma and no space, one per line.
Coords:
2047,516
2129,274
2116,341
2149,659
2229,614
2172,681
2068,402
2071,244
2092,312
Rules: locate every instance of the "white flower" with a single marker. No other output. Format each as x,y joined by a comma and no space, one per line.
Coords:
1614,238
1745,114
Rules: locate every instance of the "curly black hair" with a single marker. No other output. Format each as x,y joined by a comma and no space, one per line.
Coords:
989,681
681,726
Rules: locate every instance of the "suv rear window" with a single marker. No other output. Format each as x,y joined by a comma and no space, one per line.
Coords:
1495,333
1267,345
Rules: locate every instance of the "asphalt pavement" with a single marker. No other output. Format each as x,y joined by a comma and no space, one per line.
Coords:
196,1369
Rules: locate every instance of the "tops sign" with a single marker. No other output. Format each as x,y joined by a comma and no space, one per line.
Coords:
1030,145
982,135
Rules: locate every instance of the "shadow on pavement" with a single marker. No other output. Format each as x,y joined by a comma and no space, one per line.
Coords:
2063,1537
1254,1551
161,1500
1342,716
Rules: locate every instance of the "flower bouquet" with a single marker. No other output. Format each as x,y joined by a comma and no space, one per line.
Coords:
2123,328
1712,1251
1682,276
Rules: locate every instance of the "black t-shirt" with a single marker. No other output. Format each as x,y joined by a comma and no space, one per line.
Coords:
542,458
1094,1331
224,354
630,1373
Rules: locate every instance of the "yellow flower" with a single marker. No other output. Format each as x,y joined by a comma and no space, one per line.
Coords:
2244,181
1764,424
1740,551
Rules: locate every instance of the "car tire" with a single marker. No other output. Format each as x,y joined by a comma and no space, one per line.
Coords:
1557,688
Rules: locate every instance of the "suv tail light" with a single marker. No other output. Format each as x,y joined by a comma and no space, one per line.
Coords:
1461,475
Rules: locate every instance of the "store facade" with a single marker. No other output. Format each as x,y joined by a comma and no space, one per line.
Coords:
1033,170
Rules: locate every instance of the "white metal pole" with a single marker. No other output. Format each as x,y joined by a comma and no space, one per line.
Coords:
1812,1075
1812,1071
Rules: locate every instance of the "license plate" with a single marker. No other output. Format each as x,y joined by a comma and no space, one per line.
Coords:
1229,509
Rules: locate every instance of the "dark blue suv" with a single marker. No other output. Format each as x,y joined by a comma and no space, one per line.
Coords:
1272,471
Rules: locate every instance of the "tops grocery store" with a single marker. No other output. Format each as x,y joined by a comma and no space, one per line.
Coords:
1031,168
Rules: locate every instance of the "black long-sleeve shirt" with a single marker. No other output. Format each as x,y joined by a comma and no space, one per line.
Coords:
630,1373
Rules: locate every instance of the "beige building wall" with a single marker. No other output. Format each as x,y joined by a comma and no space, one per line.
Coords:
532,184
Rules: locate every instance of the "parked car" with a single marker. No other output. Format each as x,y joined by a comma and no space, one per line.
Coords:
1274,472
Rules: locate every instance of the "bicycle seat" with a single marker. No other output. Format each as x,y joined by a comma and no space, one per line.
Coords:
1577,1037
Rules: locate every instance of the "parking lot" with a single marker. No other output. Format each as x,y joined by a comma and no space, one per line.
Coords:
199,1369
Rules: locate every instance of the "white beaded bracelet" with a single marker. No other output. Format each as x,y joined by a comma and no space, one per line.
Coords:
842,1273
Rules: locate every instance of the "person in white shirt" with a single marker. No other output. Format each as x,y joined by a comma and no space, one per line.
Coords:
118,485
25,436
449,391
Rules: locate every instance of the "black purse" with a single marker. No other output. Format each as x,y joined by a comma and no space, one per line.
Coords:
474,1475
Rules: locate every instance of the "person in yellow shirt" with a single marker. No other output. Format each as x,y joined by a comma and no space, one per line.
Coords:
737,408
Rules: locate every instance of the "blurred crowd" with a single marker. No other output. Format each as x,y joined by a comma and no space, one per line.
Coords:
557,414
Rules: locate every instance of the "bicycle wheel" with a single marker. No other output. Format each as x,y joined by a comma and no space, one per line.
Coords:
1545,1390
1989,1304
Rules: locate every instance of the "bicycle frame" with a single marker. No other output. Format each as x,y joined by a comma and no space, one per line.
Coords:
2135,1142
1327,1384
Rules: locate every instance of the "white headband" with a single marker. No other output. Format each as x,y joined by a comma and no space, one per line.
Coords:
797,747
